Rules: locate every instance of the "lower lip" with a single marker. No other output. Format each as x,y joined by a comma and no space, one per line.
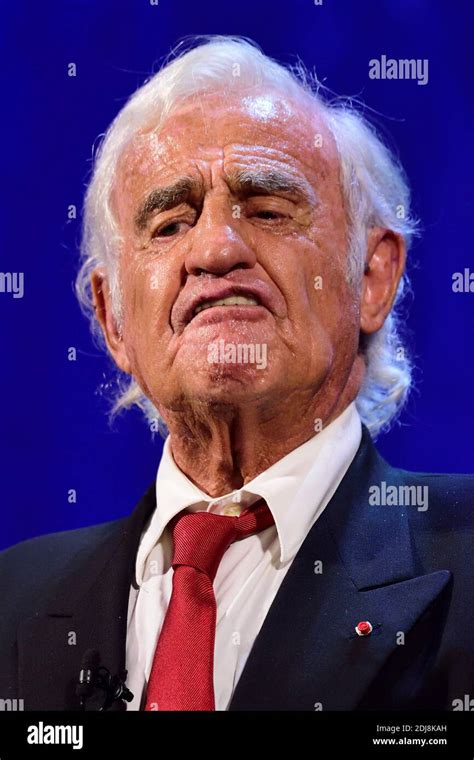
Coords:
221,313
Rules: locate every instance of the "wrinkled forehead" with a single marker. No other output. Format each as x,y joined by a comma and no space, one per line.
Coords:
211,124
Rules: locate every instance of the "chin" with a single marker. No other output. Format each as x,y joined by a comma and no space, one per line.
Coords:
230,389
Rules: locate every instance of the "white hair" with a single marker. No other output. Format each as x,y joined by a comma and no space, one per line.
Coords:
373,183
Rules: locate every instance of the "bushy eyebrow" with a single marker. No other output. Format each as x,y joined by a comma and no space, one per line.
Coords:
247,182
161,199
243,183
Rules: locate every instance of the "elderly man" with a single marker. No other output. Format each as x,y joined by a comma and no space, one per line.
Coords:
244,253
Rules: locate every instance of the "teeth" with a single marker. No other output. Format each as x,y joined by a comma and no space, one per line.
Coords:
229,301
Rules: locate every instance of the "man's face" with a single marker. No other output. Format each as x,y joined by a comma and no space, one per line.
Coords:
234,197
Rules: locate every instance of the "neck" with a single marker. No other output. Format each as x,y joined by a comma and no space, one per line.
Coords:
222,447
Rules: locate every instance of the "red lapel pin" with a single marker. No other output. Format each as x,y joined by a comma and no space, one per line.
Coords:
364,628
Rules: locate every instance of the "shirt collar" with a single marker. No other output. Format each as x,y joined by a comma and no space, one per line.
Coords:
296,488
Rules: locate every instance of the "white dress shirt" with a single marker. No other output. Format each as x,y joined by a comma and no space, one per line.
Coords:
297,488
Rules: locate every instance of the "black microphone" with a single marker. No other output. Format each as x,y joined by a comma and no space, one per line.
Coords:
115,689
87,676
94,677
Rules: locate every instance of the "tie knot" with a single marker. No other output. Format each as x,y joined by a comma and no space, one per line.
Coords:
200,539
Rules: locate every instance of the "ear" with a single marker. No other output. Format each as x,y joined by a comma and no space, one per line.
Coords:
384,267
104,314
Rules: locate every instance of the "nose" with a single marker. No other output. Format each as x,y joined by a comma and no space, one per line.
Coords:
218,247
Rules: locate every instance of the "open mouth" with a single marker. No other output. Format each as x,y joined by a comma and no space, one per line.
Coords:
228,301
219,301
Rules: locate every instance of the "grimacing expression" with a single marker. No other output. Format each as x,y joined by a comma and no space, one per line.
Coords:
233,197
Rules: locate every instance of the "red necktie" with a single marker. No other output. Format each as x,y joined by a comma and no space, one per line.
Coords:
181,676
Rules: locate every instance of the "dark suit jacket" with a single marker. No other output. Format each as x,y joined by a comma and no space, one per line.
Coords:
408,572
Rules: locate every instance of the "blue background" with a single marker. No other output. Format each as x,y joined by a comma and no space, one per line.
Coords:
55,433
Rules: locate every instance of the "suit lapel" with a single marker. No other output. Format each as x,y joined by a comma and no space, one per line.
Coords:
307,655
88,610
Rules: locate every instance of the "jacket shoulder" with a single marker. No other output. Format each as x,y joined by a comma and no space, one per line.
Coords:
447,499
30,567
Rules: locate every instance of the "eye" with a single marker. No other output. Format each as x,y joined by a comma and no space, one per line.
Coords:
168,230
271,210
267,214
